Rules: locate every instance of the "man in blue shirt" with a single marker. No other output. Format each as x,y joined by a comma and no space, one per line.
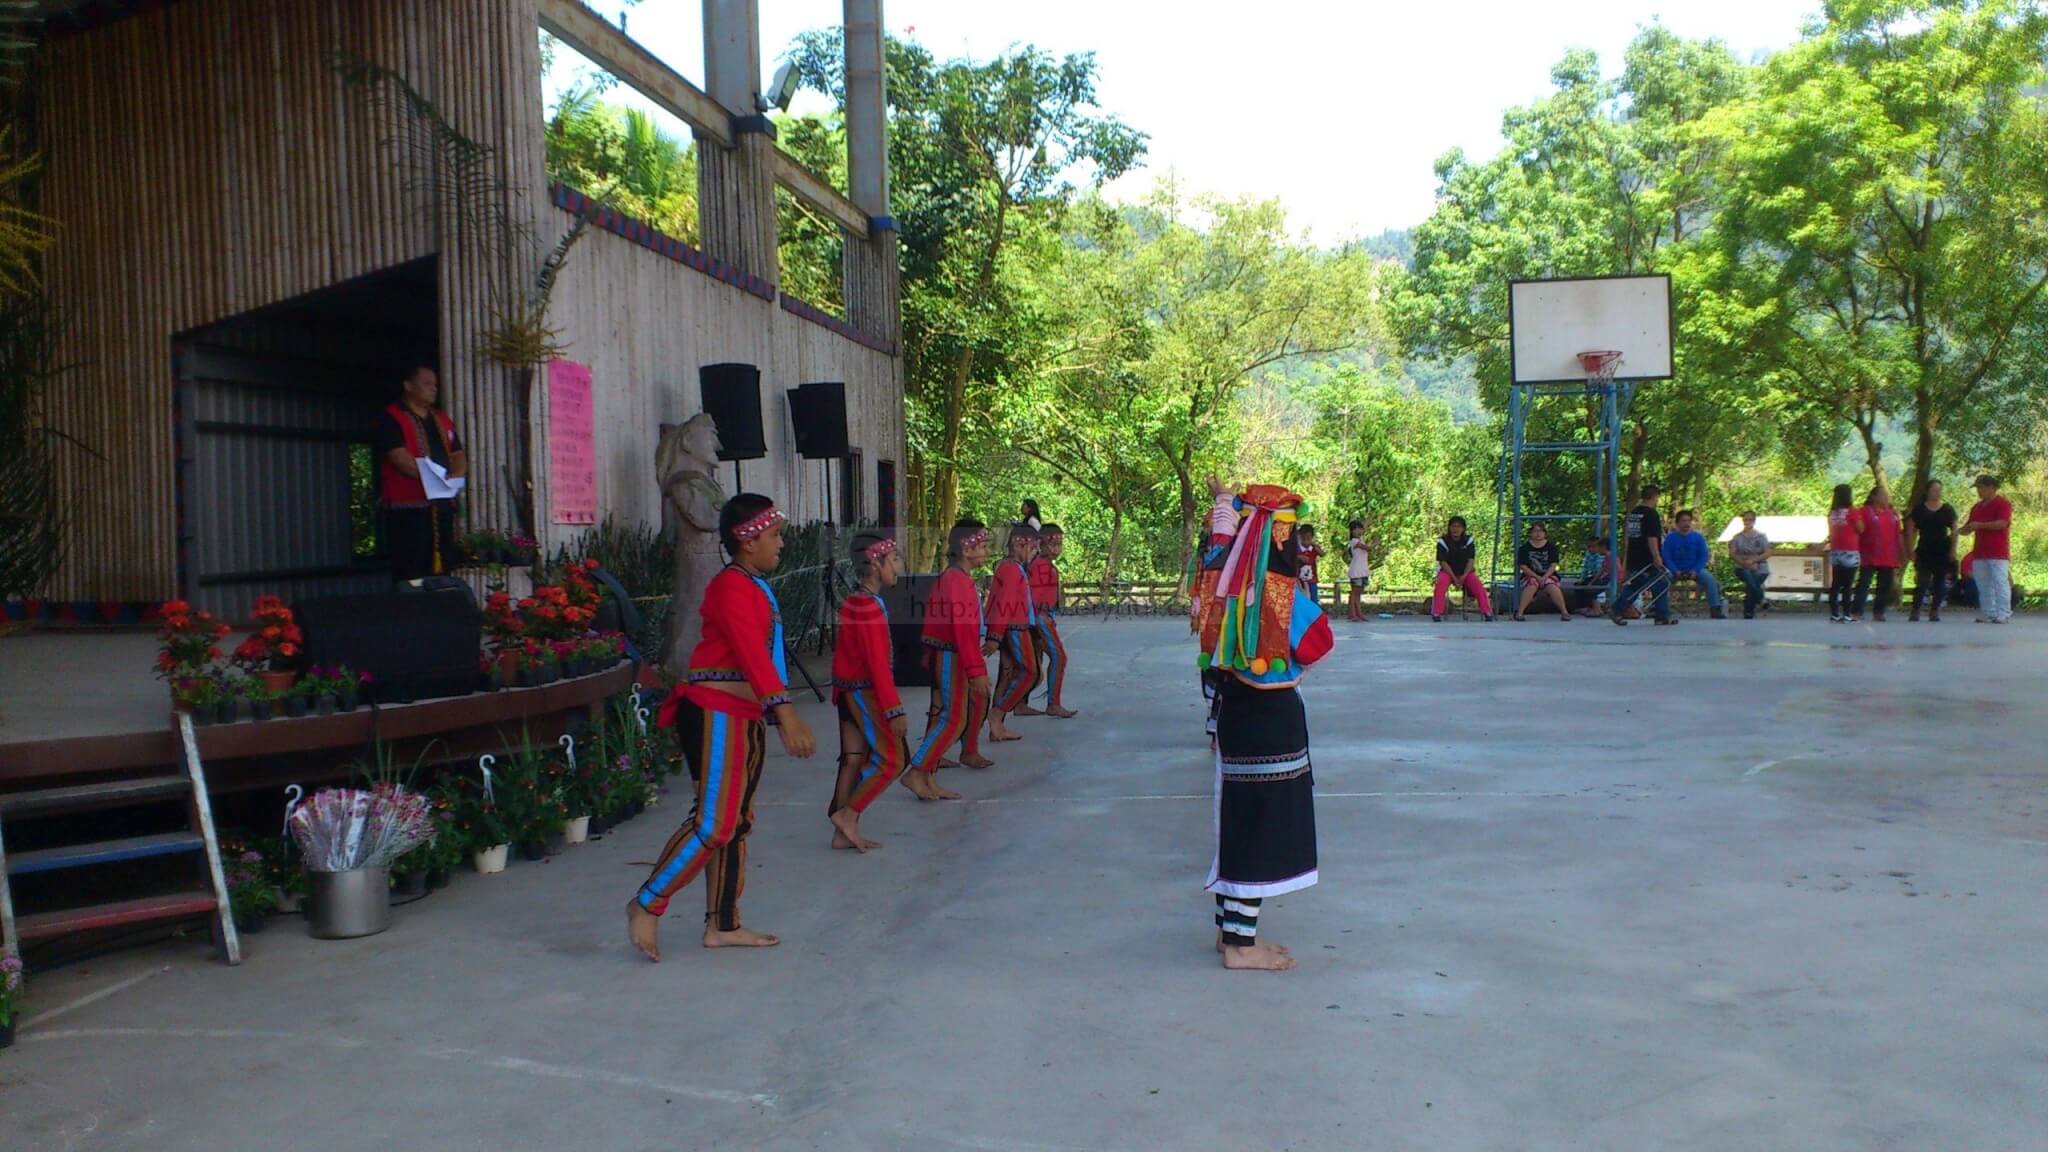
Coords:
1685,554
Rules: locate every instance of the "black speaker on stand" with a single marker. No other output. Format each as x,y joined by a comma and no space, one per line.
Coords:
732,397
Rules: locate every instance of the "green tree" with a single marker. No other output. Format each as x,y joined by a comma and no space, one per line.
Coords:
1886,194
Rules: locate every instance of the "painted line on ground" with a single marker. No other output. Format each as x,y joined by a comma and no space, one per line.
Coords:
1762,766
1207,797
446,1055
115,988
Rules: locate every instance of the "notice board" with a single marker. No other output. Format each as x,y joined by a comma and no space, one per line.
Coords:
572,444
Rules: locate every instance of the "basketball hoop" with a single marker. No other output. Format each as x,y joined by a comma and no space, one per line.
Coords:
1600,366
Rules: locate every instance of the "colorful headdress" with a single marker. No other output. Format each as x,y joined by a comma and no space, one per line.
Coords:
977,537
748,529
1241,588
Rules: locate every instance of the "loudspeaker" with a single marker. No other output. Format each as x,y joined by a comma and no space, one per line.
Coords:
732,395
817,413
906,601
415,645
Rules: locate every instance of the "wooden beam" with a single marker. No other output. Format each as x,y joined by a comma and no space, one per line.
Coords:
811,188
577,26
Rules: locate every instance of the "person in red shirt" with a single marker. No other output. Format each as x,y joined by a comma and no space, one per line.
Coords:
1306,548
873,749
958,655
418,532
1883,549
1045,601
1845,553
737,680
1990,520
1013,625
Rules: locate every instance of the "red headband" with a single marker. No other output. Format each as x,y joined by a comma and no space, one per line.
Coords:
759,524
980,536
879,550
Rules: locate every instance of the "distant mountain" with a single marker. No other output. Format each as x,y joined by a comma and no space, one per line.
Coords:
1395,244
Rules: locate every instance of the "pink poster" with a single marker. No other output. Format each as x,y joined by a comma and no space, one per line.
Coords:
572,444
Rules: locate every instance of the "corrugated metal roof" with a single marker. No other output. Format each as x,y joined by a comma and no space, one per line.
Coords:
1783,529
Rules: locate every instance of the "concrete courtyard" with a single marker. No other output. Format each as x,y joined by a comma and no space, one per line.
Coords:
1774,885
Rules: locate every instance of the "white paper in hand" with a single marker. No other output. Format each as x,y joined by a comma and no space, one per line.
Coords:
439,485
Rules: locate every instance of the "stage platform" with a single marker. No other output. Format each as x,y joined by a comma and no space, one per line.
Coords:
84,704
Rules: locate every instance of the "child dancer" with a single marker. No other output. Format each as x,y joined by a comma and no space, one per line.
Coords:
1309,553
1045,601
872,748
958,658
1012,624
735,687
1265,792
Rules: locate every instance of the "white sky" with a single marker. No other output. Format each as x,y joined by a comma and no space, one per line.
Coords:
1339,108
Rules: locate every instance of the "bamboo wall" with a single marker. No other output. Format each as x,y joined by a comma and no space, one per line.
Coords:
645,324
204,159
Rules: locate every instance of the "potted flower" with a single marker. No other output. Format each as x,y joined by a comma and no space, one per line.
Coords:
350,837
481,825
188,643
350,686
522,551
228,694
10,996
323,686
262,698
446,850
272,646
199,696
298,699
285,872
251,897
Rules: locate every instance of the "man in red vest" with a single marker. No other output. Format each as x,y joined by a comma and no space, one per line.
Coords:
418,532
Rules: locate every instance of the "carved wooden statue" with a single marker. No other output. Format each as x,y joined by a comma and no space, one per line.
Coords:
686,462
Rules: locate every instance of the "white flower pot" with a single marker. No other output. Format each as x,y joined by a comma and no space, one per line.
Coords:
577,830
489,860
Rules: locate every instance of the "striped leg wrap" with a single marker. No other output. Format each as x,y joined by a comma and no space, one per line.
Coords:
725,755
886,756
1238,919
1013,686
947,720
1055,652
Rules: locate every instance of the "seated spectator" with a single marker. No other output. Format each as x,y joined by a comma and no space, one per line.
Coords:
1965,590
1455,552
1685,555
1596,576
1751,552
1536,565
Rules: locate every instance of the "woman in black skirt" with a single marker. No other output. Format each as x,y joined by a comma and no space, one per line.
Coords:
1265,792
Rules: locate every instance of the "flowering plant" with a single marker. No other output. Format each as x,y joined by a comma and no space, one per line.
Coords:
10,986
201,691
502,620
275,642
477,818
250,891
342,829
190,641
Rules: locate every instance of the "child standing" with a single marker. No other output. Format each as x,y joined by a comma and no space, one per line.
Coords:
1309,554
1361,568
1045,601
1012,624
954,647
736,682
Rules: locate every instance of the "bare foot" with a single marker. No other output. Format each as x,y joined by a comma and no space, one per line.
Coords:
1257,958
846,830
977,761
1027,710
1280,948
1060,713
739,938
641,928
945,763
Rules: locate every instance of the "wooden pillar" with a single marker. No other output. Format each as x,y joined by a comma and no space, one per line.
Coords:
736,186
870,268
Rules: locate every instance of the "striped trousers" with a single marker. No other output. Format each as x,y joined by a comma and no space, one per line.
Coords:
955,714
1053,670
725,754
1237,917
1017,667
871,754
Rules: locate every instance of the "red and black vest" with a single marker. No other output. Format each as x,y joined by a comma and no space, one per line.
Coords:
395,488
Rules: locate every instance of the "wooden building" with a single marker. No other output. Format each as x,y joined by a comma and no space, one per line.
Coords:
261,230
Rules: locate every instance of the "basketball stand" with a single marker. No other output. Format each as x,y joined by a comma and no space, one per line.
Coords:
1511,515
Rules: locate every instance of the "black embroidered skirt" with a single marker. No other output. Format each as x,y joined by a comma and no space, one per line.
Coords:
1265,793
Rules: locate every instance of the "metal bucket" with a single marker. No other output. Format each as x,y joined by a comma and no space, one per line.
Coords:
349,904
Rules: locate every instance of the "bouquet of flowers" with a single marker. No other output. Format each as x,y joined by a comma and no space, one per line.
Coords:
342,829
189,642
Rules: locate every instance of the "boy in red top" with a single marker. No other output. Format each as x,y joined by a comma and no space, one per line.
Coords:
1012,624
872,746
1045,601
1990,520
959,661
720,713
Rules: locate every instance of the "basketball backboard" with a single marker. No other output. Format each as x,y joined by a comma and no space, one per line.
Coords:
1551,321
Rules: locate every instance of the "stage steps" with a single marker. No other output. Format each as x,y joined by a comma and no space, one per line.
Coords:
197,839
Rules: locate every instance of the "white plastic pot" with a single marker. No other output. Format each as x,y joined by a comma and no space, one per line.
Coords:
577,830
489,860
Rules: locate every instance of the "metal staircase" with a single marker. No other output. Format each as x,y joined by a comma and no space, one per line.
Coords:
196,840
